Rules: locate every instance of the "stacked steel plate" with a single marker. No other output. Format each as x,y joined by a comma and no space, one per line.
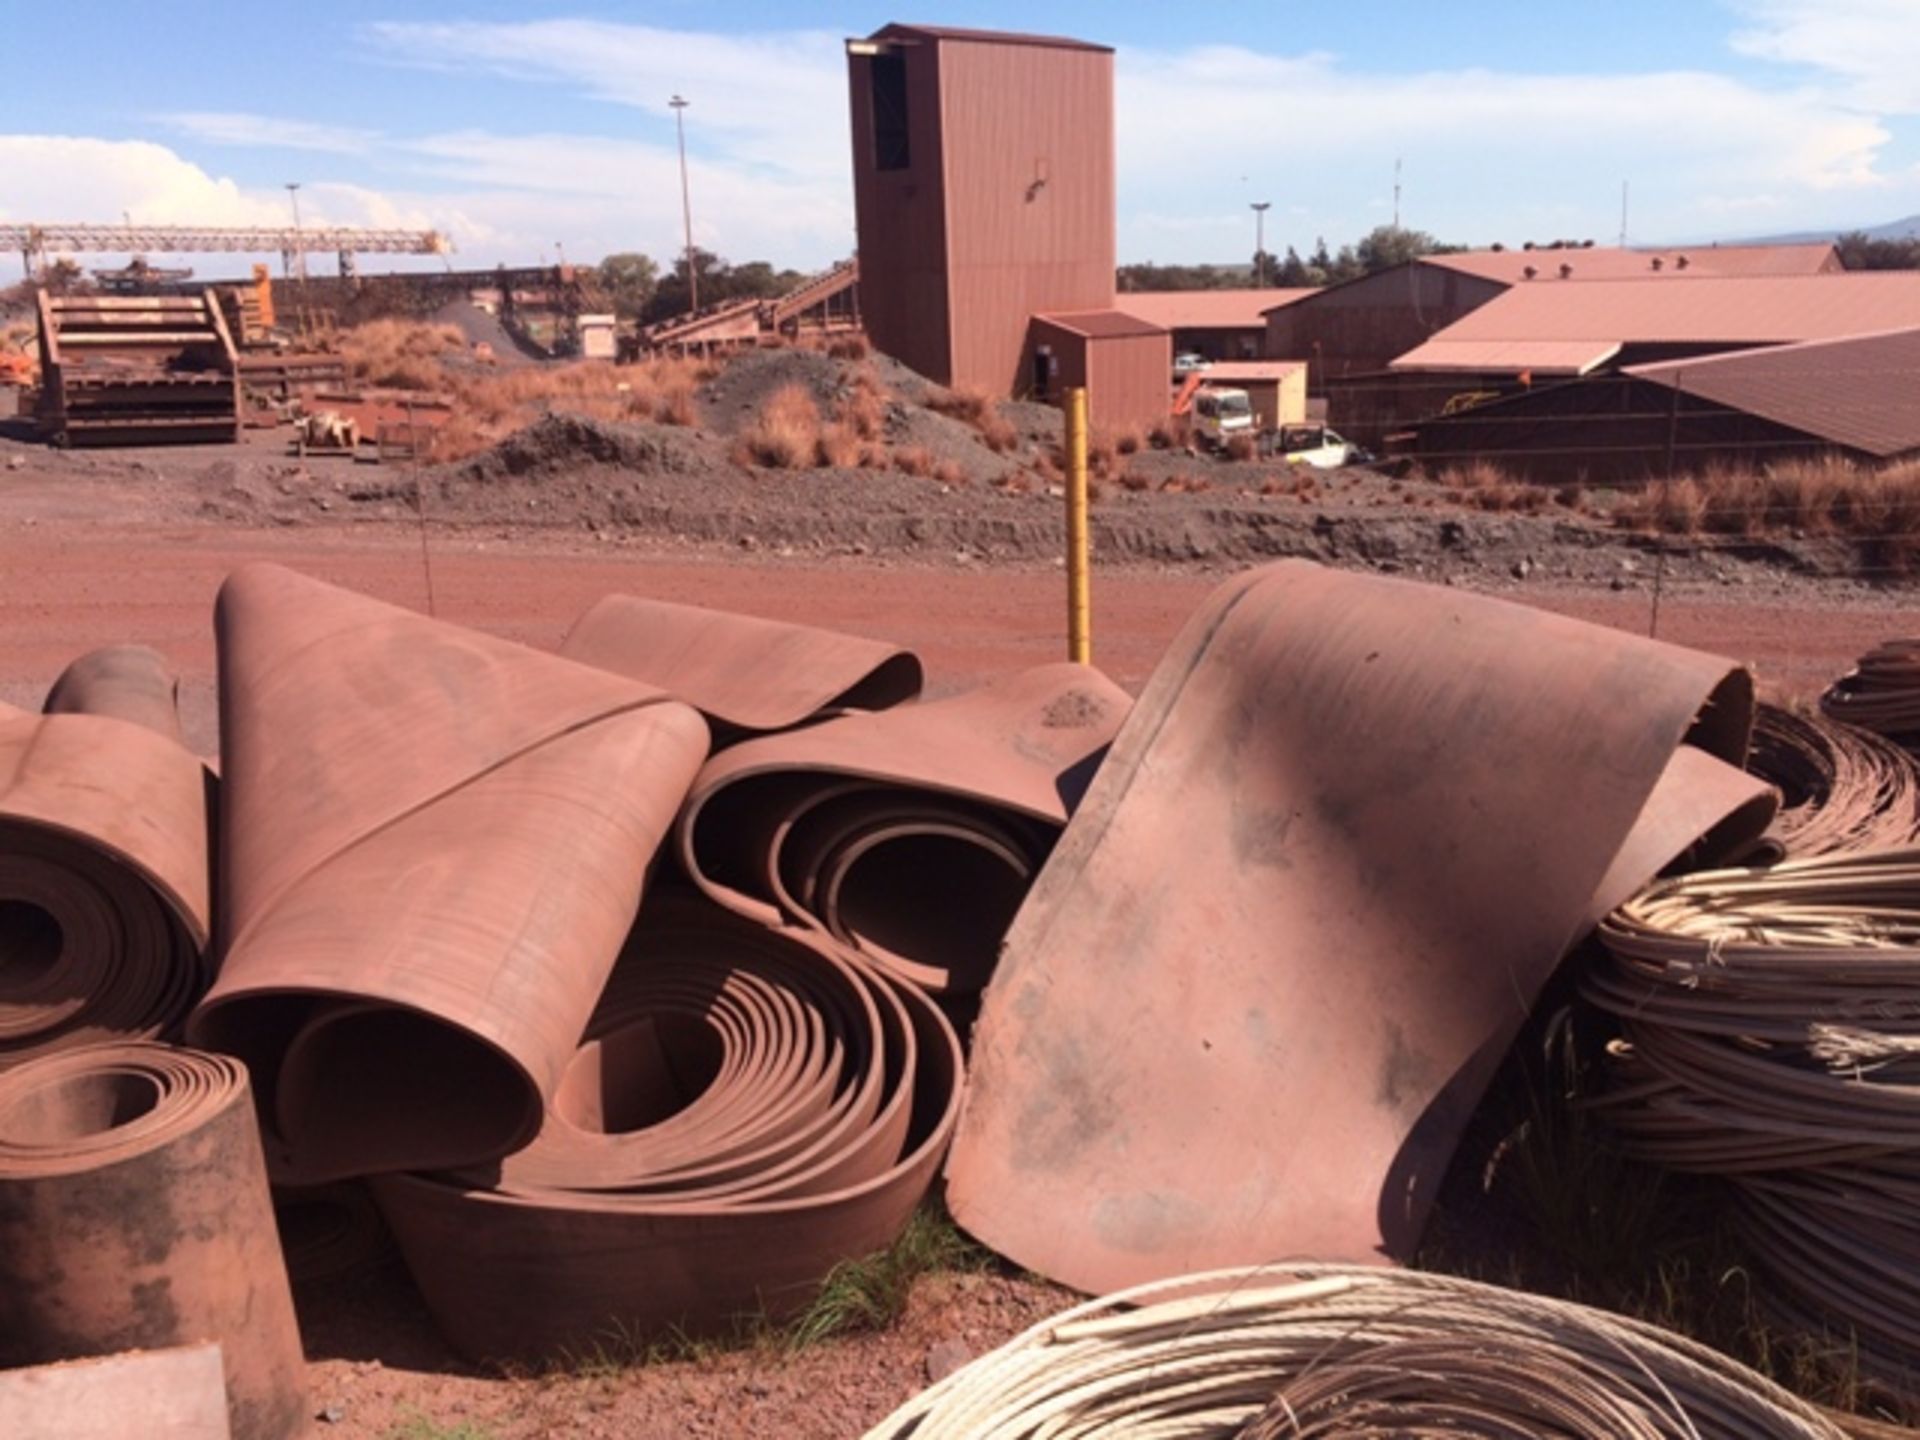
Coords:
1881,693
1770,1025
1289,1351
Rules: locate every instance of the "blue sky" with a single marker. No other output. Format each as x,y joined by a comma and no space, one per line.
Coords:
519,127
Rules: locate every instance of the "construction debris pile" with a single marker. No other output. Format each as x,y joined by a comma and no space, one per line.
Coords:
636,986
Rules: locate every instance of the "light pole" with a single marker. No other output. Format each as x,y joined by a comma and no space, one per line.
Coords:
1260,208
299,248
686,201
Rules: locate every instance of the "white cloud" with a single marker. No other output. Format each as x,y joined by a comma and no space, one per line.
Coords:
775,99
503,199
1489,155
1872,46
232,127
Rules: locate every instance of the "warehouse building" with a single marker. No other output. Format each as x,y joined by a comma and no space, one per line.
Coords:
1856,396
983,181
1219,324
1355,330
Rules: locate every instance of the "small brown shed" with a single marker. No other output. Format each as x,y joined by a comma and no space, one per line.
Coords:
1124,362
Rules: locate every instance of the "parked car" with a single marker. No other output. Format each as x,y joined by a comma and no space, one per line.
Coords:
1187,362
1318,446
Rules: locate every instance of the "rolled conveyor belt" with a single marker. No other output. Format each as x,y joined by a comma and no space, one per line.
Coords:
104,886
134,1216
435,844
912,835
1320,1350
749,1107
1770,1033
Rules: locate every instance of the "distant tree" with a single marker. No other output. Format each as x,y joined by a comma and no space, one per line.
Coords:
1293,272
1860,251
1389,245
756,278
628,280
1148,276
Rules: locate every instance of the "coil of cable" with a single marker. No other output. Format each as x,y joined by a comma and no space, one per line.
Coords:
1770,1033
1881,692
1310,1350
1842,788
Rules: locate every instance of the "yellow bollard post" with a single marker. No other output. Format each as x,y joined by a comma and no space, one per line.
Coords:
1079,603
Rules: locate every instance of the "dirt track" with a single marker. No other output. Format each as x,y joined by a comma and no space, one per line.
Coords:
68,586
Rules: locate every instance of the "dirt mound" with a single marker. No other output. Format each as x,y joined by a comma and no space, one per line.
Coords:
733,398
482,327
560,442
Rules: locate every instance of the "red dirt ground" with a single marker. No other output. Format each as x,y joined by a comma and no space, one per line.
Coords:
65,588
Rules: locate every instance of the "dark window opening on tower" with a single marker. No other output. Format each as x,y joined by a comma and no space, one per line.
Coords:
890,112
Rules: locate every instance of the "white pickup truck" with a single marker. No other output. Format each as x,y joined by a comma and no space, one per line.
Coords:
1317,446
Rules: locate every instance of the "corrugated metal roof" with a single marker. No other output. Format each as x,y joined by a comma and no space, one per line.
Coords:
1211,309
1729,311
1540,357
1101,324
983,37
1862,391
1613,263
1251,369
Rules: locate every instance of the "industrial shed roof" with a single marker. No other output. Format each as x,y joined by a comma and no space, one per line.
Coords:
984,37
1862,391
1613,263
1537,322
1251,370
1211,309
1101,324
1540,357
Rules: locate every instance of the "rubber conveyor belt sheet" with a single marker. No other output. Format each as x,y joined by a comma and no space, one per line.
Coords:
1347,832
747,675
749,1107
911,835
434,843
104,884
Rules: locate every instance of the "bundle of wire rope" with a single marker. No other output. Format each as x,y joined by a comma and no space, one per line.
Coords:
1770,1033
1841,787
1881,692
1315,1350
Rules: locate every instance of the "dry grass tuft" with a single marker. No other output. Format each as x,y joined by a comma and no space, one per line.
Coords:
1185,485
1165,435
913,460
786,433
1128,441
400,354
853,346
838,448
1241,447
1486,486
1826,495
948,472
966,403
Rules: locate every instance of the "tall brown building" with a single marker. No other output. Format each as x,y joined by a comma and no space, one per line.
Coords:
983,187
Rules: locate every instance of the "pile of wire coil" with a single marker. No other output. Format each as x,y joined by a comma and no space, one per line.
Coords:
1770,1034
1312,1350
